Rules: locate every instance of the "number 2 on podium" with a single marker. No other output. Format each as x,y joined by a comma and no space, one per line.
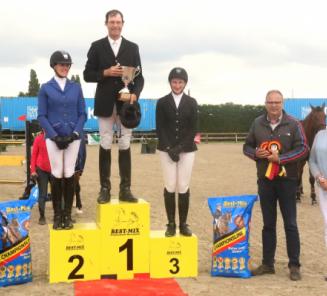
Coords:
73,275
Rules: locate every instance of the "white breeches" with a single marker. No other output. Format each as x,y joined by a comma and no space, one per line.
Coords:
106,125
177,175
62,162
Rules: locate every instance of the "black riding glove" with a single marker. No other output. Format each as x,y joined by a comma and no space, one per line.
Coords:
174,153
61,142
72,137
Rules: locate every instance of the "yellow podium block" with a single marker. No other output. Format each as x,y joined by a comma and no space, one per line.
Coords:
122,216
125,231
74,254
173,257
124,256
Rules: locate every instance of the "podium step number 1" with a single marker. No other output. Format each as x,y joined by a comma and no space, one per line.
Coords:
119,246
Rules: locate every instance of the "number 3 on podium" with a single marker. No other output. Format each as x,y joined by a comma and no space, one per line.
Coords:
175,262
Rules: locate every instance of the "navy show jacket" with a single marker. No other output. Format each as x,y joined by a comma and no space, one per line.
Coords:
176,126
61,112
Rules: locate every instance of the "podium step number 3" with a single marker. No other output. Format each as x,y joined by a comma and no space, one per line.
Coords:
173,256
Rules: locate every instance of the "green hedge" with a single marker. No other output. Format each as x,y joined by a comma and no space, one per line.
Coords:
227,117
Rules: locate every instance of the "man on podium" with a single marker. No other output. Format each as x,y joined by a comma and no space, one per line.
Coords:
107,61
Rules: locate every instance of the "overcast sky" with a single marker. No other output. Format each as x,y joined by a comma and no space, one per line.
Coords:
233,51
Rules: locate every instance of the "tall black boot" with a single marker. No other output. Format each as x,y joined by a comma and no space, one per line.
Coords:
78,194
68,199
183,205
125,167
170,205
104,172
56,193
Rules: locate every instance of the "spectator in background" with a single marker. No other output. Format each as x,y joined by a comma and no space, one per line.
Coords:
79,167
41,172
318,169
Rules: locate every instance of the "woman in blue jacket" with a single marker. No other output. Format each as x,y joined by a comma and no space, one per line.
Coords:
61,113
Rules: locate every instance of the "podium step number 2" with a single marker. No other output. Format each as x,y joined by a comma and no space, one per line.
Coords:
74,253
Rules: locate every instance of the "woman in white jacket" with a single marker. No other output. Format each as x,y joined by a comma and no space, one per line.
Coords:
318,168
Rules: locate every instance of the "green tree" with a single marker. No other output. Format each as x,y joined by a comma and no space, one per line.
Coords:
33,86
76,79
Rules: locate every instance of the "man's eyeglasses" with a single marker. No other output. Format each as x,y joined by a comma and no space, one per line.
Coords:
273,103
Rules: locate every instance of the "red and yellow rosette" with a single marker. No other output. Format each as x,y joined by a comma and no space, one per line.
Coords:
274,169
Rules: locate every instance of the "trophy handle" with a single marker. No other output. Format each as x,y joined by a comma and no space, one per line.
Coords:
137,71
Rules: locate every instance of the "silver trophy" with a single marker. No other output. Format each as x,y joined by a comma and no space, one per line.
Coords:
129,73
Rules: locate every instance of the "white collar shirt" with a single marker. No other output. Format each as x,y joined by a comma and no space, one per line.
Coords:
177,98
115,44
61,81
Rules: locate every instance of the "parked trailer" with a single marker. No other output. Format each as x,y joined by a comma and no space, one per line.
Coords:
300,108
14,109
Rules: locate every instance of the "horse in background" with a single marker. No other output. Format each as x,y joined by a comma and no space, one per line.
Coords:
312,124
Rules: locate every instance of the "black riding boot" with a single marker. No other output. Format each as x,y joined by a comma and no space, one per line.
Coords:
78,194
170,205
125,168
68,198
56,193
183,205
104,172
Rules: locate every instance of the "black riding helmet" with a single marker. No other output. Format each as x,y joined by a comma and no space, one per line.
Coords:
178,73
130,115
60,57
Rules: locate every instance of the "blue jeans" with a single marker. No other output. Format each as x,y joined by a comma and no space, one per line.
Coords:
283,190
